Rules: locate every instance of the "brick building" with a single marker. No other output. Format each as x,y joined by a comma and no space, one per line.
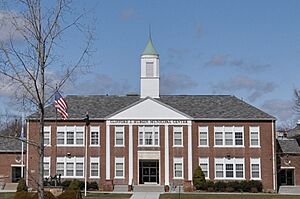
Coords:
288,152
157,139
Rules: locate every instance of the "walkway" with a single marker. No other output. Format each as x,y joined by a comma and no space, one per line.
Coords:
145,195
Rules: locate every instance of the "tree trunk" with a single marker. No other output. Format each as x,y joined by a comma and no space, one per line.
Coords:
41,155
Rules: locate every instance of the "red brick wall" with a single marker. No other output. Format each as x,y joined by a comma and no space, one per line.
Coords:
264,152
294,161
6,160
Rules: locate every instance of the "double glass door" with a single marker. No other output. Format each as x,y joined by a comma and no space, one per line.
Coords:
149,171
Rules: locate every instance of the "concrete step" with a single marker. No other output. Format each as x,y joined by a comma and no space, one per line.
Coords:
148,188
11,186
293,190
120,188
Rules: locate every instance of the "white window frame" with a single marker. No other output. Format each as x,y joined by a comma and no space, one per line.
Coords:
122,130
178,129
47,129
75,129
255,161
95,129
255,129
223,161
74,160
47,160
95,160
178,160
204,160
120,160
203,129
141,129
233,130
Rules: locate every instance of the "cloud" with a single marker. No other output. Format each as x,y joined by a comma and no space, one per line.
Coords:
255,88
280,108
99,84
10,25
218,60
173,83
127,13
228,61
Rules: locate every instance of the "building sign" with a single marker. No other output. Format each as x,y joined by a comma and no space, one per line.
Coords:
147,122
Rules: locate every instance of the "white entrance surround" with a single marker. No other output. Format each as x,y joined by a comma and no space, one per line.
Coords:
148,155
167,180
130,156
107,152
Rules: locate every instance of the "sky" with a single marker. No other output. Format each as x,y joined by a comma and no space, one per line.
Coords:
250,49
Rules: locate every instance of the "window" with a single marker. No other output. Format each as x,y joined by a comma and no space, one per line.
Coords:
203,135
70,136
178,167
229,168
149,69
254,136
72,167
119,167
204,164
219,171
119,136
46,166
177,136
95,135
148,135
47,135
229,136
255,168
94,167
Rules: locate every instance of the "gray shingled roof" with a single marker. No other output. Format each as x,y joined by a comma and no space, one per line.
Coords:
295,132
289,146
9,144
196,106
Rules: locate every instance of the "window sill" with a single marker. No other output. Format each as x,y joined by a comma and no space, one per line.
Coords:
94,177
178,146
178,178
69,145
257,147
225,146
119,178
94,146
230,178
81,177
148,146
255,178
203,146
119,145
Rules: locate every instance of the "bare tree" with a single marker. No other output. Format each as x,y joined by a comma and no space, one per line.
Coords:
28,55
297,101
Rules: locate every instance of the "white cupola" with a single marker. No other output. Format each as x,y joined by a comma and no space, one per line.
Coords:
150,71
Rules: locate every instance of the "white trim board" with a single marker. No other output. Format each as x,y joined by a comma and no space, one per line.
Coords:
149,109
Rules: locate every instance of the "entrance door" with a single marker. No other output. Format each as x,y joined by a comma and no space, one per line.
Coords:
149,171
15,174
287,177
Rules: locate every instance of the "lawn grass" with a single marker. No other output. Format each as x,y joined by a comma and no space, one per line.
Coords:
89,195
227,196
7,195
107,195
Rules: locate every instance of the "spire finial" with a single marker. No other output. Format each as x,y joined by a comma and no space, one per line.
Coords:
150,31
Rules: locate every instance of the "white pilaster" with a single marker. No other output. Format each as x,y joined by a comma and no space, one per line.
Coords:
130,156
190,168
167,176
107,152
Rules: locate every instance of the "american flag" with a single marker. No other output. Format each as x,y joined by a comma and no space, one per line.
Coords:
61,105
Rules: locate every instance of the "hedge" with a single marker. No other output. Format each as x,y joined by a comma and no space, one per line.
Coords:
232,186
